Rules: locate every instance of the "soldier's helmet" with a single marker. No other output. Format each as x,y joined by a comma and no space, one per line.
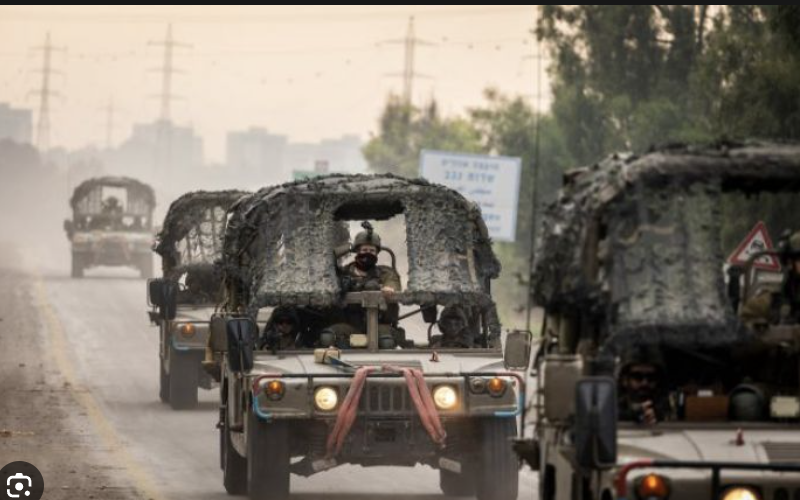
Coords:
642,355
367,237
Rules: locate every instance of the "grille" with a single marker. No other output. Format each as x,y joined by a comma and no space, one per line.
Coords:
385,398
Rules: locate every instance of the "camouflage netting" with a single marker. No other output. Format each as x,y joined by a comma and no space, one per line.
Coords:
655,274
87,197
193,230
279,242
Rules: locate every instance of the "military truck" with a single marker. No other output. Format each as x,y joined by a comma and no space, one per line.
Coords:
183,300
631,259
383,395
111,225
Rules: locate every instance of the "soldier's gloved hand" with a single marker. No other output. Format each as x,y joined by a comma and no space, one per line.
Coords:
648,415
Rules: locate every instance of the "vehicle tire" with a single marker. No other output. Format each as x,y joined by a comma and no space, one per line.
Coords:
163,382
234,466
77,265
182,379
268,459
498,471
456,485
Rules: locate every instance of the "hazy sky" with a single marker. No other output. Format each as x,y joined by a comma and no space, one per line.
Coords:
309,72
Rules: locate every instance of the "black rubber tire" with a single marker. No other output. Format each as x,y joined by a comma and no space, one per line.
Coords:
77,265
183,379
163,382
234,466
498,471
268,459
456,485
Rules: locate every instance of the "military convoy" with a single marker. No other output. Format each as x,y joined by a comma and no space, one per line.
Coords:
631,259
183,299
382,395
359,364
111,225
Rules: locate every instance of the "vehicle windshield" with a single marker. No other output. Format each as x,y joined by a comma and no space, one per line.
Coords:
401,325
719,317
112,208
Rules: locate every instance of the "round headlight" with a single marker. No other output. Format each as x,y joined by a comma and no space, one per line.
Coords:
652,486
326,398
445,397
741,493
188,330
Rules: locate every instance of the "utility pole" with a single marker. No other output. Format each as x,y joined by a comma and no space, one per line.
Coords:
163,150
410,43
109,123
167,69
44,93
535,168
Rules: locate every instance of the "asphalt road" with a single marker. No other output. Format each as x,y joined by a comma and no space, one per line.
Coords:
103,345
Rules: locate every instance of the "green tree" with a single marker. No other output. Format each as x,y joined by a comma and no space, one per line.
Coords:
405,130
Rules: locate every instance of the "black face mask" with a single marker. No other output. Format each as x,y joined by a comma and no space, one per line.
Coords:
366,261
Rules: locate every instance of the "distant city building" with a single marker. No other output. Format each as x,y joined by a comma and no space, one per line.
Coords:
264,157
255,154
329,155
158,150
15,124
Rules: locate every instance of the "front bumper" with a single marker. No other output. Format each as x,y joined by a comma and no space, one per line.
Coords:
385,396
769,480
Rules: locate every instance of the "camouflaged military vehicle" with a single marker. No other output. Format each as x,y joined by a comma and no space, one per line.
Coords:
382,395
183,299
112,221
631,259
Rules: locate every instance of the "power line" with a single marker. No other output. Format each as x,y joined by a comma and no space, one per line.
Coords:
341,15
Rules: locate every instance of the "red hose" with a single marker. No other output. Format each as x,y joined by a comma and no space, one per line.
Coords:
347,412
423,401
417,389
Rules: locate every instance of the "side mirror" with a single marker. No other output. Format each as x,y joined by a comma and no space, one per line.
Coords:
430,314
164,295
596,423
155,292
242,334
517,353
69,227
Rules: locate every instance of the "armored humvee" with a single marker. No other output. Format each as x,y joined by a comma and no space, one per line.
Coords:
632,258
112,221
183,299
378,398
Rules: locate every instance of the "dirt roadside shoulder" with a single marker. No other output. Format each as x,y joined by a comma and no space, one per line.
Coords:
41,421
